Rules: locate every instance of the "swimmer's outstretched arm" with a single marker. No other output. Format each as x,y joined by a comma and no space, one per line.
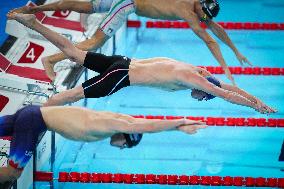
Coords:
199,82
234,89
127,124
213,46
72,5
222,35
239,91
250,97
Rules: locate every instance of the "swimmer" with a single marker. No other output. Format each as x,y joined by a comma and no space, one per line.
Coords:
117,72
191,11
79,124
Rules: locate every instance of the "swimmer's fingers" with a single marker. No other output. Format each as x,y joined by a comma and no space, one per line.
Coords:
268,109
192,129
24,9
193,122
272,110
12,11
203,126
245,60
261,110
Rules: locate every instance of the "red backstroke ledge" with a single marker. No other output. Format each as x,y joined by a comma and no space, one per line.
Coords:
160,179
225,25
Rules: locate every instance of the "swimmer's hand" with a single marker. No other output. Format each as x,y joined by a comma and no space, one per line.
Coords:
263,108
24,10
191,126
49,68
243,60
230,77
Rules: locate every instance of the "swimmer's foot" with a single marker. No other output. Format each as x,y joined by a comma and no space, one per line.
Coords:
28,20
24,10
48,68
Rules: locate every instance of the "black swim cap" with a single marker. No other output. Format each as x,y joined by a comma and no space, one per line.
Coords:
210,7
215,82
132,139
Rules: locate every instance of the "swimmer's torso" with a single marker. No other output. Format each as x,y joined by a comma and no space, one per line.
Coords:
89,125
160,73
162,9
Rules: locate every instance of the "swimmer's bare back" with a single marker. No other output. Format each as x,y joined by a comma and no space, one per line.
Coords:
75,122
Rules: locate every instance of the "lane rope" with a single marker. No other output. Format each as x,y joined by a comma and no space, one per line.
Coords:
225,121
225,25
129,178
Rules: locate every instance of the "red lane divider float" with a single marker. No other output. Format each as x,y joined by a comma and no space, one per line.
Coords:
160,179
225,25
222,121
246,70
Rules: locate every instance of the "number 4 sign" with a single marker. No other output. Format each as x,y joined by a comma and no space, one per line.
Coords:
31,54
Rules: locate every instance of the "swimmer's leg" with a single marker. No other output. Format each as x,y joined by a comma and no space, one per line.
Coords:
65,97
72,5
73,53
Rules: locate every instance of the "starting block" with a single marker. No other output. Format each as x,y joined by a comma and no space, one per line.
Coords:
13,27
4,63
21,71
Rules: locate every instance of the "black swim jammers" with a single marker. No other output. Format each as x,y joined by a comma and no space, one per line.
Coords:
113,76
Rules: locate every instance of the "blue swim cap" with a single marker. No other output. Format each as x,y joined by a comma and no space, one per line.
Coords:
210,7
215,82
132,139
